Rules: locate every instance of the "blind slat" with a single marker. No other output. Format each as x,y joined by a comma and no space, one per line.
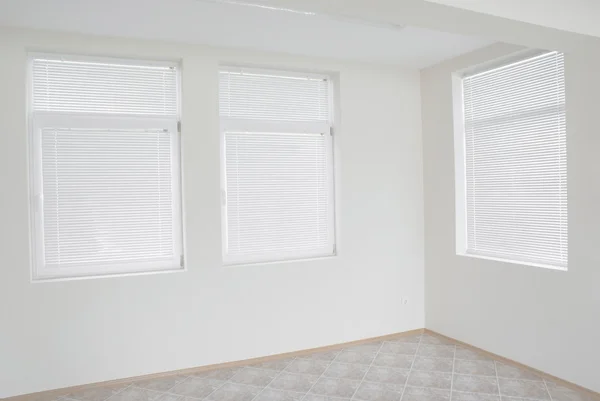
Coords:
515,162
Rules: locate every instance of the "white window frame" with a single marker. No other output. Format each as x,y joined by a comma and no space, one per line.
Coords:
37,121
325,129
460,168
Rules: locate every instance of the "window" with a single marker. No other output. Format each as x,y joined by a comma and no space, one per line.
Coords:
104,167
277,172
512,163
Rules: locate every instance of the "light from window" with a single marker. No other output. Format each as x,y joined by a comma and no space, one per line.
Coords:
105,167
512,163
277,166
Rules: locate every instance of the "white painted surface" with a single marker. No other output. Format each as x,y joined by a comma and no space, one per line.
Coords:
580,16
439,17
197,21
73,332
544,318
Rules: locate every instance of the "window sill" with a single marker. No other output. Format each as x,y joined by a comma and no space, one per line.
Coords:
49,279
278,262
513,262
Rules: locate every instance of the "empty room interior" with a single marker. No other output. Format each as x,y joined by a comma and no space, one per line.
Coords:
300,200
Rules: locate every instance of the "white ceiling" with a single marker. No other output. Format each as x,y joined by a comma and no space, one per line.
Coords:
235,25
580,16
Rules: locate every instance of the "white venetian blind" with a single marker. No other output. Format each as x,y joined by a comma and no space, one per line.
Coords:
74,86
106,180
278,180
107,196
255,95
516,161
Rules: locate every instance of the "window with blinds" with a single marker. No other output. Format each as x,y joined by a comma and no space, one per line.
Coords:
515,162
105,166
277,166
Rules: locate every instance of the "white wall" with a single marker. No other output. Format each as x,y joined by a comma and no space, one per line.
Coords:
544,318
67,333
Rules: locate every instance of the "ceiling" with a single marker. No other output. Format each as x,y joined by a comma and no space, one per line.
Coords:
221,23
580,16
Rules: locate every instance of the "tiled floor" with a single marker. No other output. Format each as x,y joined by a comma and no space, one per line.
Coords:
417,368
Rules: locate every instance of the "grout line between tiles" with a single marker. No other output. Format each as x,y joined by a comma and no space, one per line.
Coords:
178,382
218,388
547,389
493,376
431,371
411,366
118,392
367,371
394,353
228,381
274,378
159,393
319,378
162,391
497,380
456,391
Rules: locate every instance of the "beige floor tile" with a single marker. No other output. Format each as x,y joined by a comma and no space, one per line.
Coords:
560,393
383,374
218,374
196,387
458,396
475,384
234,392
136,394
477,368
394,360
333,387
307,366
433,364
367,347
369,391
523,389
430,379
351,356
514,372
160,384
436,351
415,338
431,339
425,394
399,348
317,397
276,365
270,394
174,397
325,356
346,371
293,382
254,377
467,353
